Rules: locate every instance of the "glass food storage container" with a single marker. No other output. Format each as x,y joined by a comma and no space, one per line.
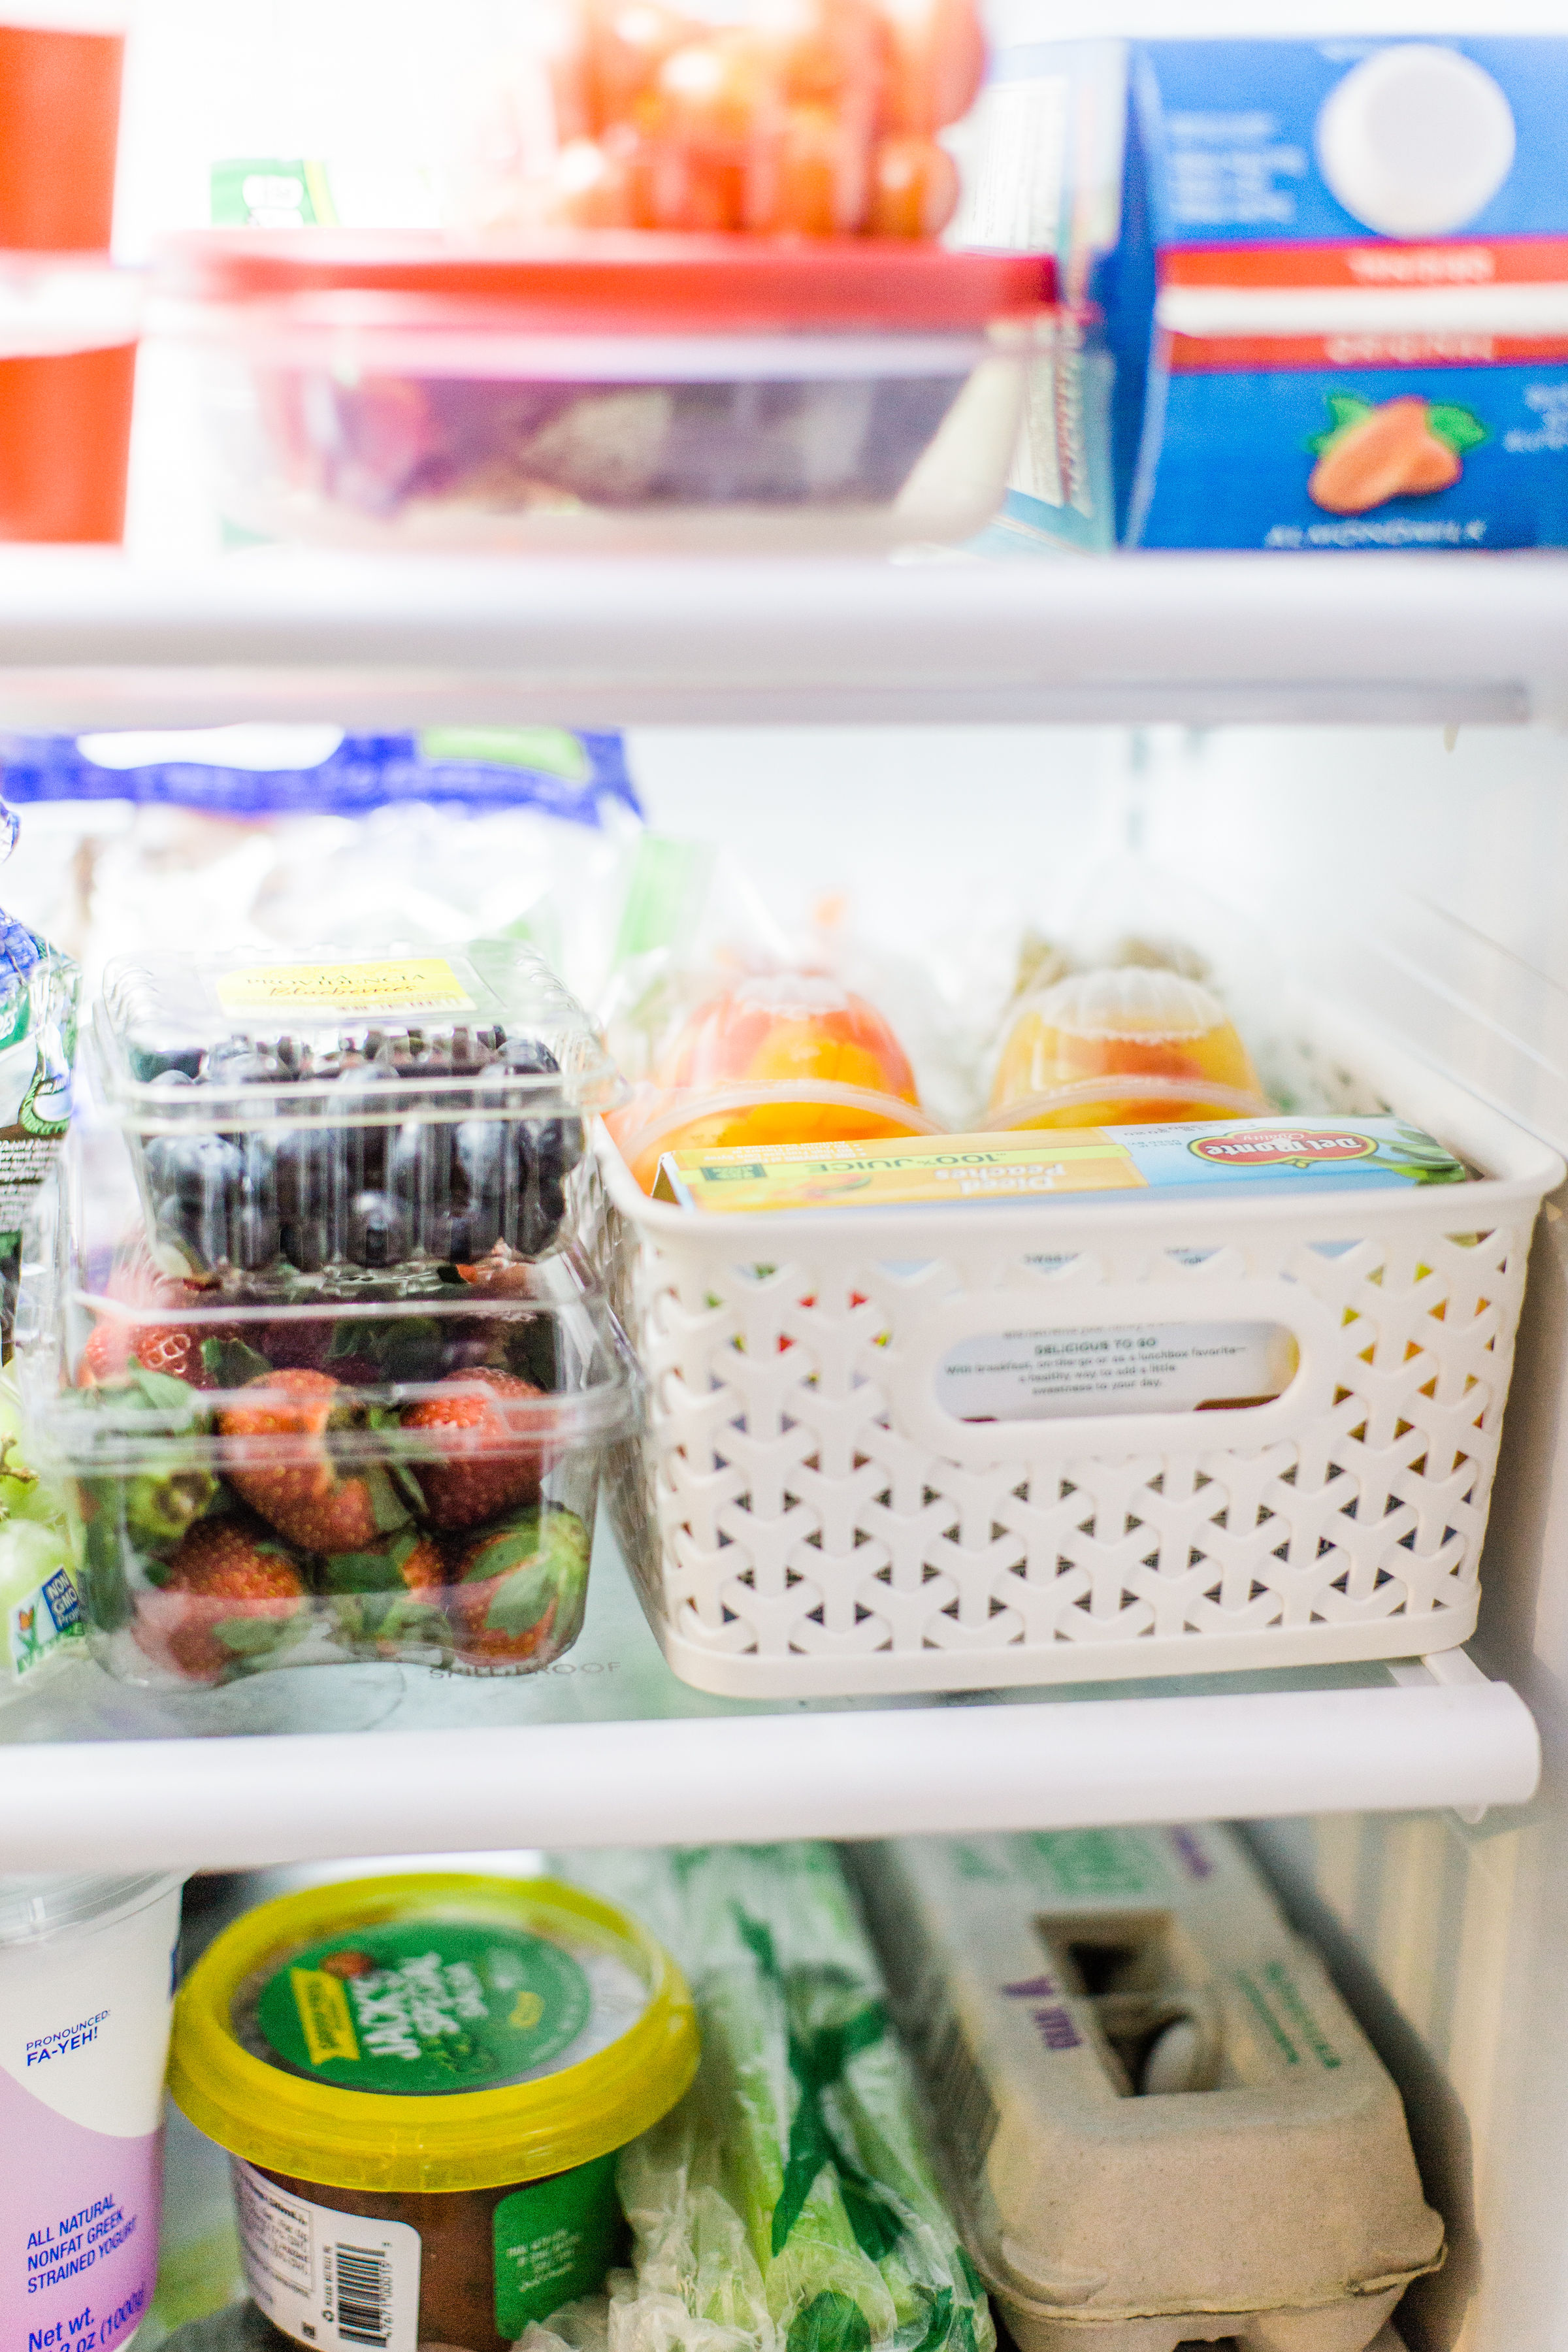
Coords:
608,390
338,1117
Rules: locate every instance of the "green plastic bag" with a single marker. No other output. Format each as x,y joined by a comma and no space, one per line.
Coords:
787,2204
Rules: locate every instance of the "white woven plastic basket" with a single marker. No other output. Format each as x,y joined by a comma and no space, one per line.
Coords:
811,1520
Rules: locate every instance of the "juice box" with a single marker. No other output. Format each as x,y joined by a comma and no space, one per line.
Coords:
1199,1156
1322,288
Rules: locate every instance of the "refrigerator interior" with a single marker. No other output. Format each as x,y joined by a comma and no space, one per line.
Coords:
1413,876
1402,854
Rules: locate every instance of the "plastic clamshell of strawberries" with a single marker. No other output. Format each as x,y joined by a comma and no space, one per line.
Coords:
1164,1042
413,1479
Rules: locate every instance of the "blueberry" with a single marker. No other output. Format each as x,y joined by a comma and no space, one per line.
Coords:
475,1235
419,1164
479,1169
528,1057
534,1218
302,1162
359,1154
557,1144
255,1239
377,1232
196,1183
236,1063
194,1169
199,1230
307,1243
149,1063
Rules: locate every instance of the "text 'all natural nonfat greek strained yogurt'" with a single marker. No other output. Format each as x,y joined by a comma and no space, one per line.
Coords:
423,2083
87,1969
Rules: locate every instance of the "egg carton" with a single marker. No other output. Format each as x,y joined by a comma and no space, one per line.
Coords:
1157,2120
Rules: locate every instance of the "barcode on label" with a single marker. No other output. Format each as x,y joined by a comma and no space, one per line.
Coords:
959,2094
363,2296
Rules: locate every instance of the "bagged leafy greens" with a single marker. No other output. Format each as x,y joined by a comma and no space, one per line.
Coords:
787,2204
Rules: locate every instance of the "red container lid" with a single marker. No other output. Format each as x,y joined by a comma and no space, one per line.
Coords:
638,281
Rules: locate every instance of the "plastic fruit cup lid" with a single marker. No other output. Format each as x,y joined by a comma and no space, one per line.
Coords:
638,280
570,2032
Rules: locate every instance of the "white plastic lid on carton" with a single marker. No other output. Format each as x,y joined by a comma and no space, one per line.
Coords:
1415,141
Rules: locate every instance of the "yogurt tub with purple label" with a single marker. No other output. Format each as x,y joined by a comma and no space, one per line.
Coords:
87,1969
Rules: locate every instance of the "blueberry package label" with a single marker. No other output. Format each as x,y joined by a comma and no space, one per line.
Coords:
392,984
335,2281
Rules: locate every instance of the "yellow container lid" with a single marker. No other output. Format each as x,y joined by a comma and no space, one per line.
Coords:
431,2032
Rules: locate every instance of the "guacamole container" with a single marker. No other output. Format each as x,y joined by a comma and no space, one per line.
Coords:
423,2083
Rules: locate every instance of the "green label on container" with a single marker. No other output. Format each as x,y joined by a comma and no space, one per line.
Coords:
270,192
555,2241
424,2006
1097,1862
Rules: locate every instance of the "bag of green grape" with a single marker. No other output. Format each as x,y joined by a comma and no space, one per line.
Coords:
787,2204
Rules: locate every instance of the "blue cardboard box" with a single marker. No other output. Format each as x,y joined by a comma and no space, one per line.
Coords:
1321,289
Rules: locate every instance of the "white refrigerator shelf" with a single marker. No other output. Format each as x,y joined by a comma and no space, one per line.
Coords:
92,638
608,1747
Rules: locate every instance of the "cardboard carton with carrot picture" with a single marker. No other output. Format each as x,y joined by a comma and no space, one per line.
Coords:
1322,290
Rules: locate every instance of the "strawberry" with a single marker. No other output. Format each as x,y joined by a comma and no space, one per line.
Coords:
171,1348
175,1348
504,1277
517,1588
486,1465
106,1355
310,1346
408,1561
231,1593
386,1598
283,1464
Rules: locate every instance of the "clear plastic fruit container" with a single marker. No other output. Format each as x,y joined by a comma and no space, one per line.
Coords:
407,1469
613,390
339,1116
1129,1044
776,1057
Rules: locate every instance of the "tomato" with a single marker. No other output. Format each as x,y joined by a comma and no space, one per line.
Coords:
591,186
824,173
914,188
627,41
830,53
936,62
714,122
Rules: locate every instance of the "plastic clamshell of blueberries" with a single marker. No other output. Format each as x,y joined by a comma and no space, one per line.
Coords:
391,1473
293,1113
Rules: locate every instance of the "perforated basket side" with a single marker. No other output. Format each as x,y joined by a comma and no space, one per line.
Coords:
825,1527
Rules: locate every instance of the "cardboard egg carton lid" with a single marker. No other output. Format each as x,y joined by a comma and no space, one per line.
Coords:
1157,2119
